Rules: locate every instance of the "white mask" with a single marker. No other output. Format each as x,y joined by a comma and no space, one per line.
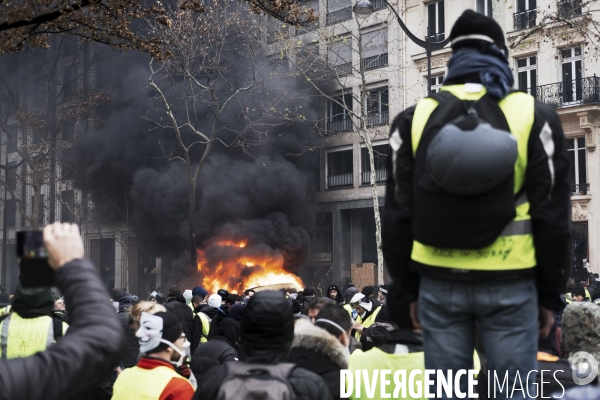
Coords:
150,332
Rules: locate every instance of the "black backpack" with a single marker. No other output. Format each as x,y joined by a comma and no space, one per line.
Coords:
248,381
443,218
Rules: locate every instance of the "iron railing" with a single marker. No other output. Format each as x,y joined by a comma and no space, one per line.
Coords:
338,16
569,9
382,118
580,189
380,175
340,125
375,62
339,180
576,92
378,4
525,19
437,37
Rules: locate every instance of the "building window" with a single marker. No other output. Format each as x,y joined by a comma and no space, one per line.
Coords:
576,155
435,21
571,75
308,27
378,111
338,114
338,11
580,250
339,168
380,154
339,55
527,73
374,49
569,9
526,15
67,213
69,82
436,83
484,7
102,254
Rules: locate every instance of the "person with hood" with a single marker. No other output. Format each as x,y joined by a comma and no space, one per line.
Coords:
70,368
236,312
334,293
402,350
323,347
177,305
219,350
267,333
222,313
158,375
130,355
31,325
158,298
449,249
308,295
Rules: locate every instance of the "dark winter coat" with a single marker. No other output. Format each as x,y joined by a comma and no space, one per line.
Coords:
178,306
305,384
317,350
218,350
132,350
93,345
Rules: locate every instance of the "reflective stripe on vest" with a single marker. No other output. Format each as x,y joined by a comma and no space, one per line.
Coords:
205,326
514,247
23,337
376,359
143,384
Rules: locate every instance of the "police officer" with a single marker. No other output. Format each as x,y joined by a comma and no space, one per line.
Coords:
477,226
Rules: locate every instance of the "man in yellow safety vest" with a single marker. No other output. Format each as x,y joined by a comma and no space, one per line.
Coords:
477,227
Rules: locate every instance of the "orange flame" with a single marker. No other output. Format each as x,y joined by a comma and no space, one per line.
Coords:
236,266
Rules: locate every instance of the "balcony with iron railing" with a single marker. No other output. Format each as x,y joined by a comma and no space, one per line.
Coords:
338,16
380,176
580,189
339,125
375,62
374,119
569,9
339,180
564,94
525,19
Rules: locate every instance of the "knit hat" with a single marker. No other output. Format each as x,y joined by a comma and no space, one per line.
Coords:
157,328
308,292
578,290
350,292
215,300
581,330
187,295
268,324
472,27
199,291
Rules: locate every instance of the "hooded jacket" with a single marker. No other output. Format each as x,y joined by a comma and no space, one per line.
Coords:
318,351
178,306
218,350
339,298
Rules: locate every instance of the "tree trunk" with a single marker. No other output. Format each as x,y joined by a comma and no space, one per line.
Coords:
373,183
192,218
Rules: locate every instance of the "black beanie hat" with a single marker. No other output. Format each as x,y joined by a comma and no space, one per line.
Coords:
171,330
578,290
474,23
268,324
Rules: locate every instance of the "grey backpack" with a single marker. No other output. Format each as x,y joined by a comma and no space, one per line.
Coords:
246,381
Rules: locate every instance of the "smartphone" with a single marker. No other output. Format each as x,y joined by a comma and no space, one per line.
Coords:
33,260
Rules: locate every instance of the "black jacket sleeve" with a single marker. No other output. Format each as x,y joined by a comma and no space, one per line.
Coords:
548,190
84,357
396,226
196,333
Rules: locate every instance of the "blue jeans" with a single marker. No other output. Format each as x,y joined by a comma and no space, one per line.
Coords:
506,313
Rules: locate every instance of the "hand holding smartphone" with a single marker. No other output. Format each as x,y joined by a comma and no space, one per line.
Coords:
33,260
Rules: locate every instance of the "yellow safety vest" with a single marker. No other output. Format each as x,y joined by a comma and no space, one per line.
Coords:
23,337
370,320
515,250
205,326
349,309
375,359
4,310
143,384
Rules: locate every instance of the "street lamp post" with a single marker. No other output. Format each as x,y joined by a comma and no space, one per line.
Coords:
364,8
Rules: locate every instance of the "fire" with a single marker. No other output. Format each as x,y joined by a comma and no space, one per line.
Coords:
236,266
